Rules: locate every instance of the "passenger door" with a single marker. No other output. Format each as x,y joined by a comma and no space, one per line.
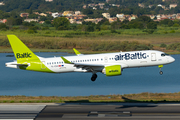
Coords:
153,56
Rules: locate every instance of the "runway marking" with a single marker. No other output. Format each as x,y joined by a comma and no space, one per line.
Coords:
109,114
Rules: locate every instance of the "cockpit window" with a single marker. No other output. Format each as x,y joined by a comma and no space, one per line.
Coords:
164,54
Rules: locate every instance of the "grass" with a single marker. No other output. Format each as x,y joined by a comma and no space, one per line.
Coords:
66,40
141,97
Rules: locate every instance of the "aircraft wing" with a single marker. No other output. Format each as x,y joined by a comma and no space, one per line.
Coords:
83,65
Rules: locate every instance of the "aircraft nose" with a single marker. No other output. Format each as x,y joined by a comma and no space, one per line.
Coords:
171,59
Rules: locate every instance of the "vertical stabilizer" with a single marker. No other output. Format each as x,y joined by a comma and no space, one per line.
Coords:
21,51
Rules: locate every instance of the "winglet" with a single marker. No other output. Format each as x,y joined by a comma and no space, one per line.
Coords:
77,52
66,61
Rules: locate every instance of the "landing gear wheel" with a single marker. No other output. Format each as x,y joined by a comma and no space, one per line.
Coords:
94,76
161,72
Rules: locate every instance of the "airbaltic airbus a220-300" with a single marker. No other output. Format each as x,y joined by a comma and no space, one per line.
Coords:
110,64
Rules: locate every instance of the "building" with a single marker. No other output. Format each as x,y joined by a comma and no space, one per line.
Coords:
55,15
101,5
94,8
72,21
41,22
106,15
24,15
37,13
141,5
43,14
112,19
172,6
119,15
1,3
77,13
68,13
150,6
84,6
132,17
108,1
178,16
3,20
31,20
159,5
49,0
91,20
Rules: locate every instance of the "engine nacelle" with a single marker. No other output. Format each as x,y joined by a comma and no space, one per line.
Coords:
112,70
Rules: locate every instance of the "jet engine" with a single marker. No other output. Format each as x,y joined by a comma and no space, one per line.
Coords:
112,70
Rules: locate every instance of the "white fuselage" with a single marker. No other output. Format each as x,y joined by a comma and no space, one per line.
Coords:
98,61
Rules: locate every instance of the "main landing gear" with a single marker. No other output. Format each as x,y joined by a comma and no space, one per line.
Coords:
94,76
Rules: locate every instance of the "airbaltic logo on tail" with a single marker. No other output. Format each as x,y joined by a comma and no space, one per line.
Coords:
23,55
128,56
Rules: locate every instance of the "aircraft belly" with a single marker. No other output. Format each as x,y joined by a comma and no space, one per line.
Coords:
62,68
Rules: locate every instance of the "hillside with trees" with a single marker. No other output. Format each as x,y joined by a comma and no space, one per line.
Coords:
126,6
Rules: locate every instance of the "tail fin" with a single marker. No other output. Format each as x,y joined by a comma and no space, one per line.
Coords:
21,51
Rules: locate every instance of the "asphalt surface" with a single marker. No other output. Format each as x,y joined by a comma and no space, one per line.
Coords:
133,111
90,111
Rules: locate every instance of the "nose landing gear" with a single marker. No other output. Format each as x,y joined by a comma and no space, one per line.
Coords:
94,76
160,72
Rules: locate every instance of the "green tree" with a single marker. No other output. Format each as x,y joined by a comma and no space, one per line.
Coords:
144,19
167,22
33,16
10,22
152,25
136,24
17,21
61,23
90,28
3,26
163,45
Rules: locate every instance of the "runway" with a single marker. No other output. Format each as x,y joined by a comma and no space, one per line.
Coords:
90,111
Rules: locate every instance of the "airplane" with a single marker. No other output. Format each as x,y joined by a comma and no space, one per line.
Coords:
110,64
